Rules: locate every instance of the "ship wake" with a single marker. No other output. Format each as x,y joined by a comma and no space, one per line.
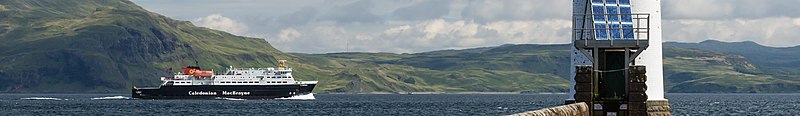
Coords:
111,98
42,98
233,99
309,96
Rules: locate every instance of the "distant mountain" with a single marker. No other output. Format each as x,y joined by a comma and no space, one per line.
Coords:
783,60
686,70
735,67
510,68
111,45
107,46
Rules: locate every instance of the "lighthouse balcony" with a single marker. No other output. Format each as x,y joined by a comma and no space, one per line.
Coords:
630,30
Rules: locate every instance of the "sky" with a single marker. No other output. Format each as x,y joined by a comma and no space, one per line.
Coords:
412,26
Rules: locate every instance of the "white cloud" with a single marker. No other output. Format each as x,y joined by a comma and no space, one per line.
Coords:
418,26
772,31
797,21
421,36
517,10
699,8
219,22
289,34
396,30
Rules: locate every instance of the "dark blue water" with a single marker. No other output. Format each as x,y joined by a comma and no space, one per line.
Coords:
363,104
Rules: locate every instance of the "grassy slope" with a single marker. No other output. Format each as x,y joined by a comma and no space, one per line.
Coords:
686,70
693,70
110,45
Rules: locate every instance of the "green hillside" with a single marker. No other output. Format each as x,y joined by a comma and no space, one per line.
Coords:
112,45
108,45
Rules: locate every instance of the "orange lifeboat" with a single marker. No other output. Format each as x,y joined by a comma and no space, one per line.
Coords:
203,73
197,72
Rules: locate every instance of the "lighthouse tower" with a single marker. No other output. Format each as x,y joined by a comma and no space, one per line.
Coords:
617,57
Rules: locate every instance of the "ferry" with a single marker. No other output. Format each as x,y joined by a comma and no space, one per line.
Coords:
242,83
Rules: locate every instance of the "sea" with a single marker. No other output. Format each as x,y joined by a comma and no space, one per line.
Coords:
374,104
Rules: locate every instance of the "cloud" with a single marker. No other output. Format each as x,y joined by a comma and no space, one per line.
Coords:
359,11
299,17
421,36
288,35
797,21
698,8
494,10
772,31
314,26
219,22
729,9
423,11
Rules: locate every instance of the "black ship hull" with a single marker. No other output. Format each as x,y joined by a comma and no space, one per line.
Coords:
222,91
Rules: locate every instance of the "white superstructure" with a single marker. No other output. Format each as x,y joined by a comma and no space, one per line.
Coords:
238,76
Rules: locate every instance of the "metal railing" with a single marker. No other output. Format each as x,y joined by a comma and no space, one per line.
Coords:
583,26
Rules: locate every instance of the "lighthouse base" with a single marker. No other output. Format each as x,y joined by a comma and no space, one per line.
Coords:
658,108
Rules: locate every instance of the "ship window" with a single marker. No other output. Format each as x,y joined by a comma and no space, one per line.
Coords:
257,82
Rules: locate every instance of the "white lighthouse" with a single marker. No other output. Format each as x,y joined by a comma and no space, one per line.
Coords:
610,26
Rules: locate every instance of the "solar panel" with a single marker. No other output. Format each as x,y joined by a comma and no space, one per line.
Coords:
612,19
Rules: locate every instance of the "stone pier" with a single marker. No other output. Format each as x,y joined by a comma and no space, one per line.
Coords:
576,109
